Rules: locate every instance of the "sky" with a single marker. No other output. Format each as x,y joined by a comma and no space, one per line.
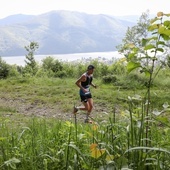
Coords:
109,7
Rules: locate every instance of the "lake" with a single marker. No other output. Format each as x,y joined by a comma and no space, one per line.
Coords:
20,60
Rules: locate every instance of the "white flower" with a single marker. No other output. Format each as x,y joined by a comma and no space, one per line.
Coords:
165,105
156,112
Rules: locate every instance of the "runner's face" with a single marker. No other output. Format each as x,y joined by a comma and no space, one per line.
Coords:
91,71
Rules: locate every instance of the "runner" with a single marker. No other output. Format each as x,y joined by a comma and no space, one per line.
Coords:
84,83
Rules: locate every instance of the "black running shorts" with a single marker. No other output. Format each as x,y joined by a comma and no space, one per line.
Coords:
85,97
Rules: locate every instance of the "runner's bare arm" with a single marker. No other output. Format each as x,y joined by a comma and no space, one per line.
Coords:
93,85
78,82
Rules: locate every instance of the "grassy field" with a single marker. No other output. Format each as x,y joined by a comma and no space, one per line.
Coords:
38,130
62,94
55,98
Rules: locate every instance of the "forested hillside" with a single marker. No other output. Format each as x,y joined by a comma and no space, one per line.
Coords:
61,32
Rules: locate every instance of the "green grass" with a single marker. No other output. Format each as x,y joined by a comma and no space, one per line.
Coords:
54,144
64,93
116,140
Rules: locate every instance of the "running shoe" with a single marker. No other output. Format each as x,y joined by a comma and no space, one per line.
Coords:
75,110
88,121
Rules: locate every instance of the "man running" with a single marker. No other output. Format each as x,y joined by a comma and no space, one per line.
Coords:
84,83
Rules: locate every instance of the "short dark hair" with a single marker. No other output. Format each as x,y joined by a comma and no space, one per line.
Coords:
90,67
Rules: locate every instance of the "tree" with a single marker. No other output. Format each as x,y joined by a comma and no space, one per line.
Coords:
135,34
151,50
31,65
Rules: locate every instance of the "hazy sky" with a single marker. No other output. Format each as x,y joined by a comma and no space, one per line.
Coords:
111,7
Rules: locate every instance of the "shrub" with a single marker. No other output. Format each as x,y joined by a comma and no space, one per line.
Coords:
13,71
109,79
4,69
53,67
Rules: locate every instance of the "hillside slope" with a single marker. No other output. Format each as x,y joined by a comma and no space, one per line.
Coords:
61,32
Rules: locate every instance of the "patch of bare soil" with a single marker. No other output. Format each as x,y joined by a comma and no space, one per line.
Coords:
43,110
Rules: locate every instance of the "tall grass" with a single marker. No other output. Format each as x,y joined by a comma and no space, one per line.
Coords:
111,143
116,139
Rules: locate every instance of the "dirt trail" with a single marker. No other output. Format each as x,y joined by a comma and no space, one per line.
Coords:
42,110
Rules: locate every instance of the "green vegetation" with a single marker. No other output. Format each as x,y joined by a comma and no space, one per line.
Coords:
130,128
115,140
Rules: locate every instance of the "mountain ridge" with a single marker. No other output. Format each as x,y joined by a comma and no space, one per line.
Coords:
61,32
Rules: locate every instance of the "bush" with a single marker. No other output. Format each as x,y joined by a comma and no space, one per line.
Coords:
132,81
109,79
61,74
4,69
13,71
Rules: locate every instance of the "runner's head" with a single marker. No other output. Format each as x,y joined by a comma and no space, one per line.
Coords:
90,67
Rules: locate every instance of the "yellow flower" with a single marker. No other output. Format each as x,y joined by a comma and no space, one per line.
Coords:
96,152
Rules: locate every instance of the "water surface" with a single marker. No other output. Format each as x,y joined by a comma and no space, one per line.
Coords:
20,60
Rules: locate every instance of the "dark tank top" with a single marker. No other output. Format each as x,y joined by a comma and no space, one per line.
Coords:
87,82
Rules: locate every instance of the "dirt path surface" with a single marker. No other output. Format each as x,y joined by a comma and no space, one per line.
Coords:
41,110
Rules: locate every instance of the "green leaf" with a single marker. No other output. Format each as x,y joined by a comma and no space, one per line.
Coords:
132,65
12,162
167,24
168,15
148,47
69,124
161,43
160,49
2,138
77,149
165,37
153,20
163,30
131,55
144,41
167,32
147,148
147,73
153,27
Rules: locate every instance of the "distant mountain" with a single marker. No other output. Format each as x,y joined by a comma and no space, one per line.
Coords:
61,32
